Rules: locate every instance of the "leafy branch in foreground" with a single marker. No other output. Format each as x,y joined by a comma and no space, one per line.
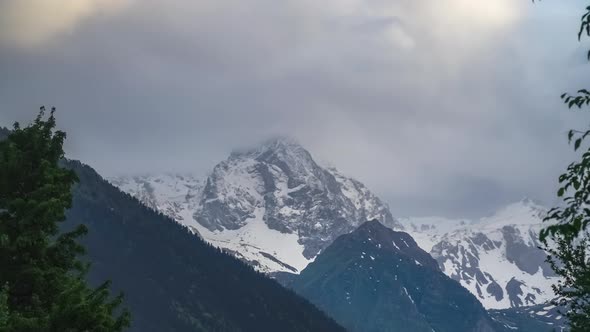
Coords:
566,239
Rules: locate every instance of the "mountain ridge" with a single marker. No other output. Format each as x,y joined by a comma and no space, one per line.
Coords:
274,207
271,205
377,279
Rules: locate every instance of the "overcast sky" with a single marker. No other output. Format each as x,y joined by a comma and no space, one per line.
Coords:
441,107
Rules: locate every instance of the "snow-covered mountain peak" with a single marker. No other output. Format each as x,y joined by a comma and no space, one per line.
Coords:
271,205
282,148
297,195
497,258
283,144
526,212
285,155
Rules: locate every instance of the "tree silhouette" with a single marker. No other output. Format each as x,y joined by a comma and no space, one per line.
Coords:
42,279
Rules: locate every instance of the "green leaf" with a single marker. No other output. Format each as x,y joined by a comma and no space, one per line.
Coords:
577,144
576,184
571,103
562,178
577,225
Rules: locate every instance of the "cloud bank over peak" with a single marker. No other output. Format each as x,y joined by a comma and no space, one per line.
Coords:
442,107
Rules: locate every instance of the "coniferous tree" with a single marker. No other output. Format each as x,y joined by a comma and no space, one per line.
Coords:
42,279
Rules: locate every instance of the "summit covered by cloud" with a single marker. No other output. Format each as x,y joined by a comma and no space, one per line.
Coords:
445,108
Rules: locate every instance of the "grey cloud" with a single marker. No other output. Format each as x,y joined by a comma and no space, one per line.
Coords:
440,115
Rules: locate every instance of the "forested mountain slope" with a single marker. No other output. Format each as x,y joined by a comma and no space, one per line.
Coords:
172,280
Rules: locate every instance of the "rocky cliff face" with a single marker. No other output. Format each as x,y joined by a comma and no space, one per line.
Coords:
496,258
272,205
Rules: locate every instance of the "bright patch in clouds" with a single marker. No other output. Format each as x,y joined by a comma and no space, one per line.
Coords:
451,24
496,12
33,22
